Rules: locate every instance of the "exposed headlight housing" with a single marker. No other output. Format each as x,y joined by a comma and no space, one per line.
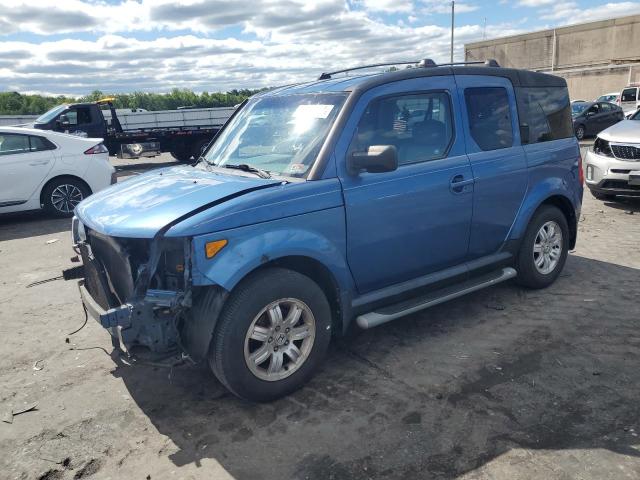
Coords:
78,233
602,147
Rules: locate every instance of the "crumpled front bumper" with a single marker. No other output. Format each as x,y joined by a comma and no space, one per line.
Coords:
149,322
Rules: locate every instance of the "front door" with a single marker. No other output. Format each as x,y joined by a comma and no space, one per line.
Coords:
414,220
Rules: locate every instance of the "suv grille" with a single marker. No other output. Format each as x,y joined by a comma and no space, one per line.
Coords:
626,152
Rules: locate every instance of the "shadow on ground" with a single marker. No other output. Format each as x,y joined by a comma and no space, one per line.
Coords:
15,226
433,395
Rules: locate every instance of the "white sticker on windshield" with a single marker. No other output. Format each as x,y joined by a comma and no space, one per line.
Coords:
313,111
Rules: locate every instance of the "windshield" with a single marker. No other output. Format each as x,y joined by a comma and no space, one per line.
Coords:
578,108
51,114
282,135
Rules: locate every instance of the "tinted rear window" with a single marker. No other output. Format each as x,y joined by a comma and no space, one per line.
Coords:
546,111
489,117
628,95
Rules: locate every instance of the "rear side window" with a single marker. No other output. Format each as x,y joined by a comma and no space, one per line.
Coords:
39,144
605,107
489,117
629,95
11,144
419,125
545,113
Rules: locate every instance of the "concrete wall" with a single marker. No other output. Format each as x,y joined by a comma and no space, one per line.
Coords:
16,119
595,58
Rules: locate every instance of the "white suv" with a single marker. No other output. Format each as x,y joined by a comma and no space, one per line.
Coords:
54,171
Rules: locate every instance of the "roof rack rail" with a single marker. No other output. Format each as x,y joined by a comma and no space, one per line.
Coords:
425,63
490,62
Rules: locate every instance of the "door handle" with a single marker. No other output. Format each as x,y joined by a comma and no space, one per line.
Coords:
458,184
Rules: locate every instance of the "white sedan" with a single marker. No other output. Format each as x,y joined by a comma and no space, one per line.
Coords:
54,171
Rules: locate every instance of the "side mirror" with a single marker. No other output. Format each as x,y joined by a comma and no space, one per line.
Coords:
377,159
590,114
63,121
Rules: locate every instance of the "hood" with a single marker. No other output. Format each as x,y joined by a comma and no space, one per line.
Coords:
140,206
626,131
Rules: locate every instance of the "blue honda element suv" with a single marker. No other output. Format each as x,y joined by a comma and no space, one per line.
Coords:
347,199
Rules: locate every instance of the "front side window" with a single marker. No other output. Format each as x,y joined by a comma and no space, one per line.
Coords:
282,135
546,113
595,109
629,95
418,125
489,117
11,144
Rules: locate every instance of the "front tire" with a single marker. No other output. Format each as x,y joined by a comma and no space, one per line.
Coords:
544,248
62,195
580,132
272,335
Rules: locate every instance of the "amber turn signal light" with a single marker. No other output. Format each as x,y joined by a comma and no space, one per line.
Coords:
212,248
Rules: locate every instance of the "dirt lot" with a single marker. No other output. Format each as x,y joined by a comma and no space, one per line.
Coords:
503,384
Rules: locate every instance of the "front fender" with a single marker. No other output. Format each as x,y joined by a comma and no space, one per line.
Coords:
318,235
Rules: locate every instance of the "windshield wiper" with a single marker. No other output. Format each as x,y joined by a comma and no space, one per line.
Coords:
248,168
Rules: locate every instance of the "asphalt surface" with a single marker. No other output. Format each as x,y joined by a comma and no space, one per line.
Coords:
505,383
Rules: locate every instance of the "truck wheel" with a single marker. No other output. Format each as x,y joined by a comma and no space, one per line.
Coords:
197,148
183,156
544,248
271,336
61,196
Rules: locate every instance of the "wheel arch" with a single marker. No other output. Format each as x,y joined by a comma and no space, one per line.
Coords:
558,200
197,334
59,177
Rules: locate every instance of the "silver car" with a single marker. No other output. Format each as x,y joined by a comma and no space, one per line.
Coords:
613,167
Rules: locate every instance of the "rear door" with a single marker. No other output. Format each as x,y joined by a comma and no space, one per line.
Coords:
497,159
414,220
25,161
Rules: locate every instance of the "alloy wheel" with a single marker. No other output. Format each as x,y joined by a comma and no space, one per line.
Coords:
66,197
547,247
279,339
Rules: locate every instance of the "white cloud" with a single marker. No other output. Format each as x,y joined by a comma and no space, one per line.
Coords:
536,3
282,41
569,12
388,6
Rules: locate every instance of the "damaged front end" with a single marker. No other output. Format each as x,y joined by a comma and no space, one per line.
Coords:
138,289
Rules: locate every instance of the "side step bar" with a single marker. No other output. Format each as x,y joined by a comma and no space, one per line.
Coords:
386,314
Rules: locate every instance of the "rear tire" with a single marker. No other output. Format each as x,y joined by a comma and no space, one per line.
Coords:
183,156
271,318
61,196
197,148
544,248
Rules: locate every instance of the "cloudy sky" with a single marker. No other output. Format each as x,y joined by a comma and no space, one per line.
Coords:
76,46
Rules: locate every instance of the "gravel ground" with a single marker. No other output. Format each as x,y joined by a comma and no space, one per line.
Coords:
503,384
